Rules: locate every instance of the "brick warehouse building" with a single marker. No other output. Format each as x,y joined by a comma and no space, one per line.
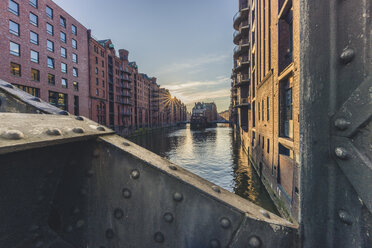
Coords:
265,95
44,52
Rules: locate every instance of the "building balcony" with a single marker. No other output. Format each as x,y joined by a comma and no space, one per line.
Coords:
125,70
244,27
243,64
126,102
126,86
241,14
243,47
243,103
126,113
236,37
236,20
243,79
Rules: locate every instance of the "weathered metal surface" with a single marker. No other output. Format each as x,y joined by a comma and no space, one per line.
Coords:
15,100
25,131
335,121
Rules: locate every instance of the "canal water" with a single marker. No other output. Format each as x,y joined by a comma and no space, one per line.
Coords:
212,154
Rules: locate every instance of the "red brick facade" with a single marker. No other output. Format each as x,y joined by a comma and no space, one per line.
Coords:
73,94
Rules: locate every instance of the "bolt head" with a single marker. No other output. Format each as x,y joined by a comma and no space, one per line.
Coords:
265,213
54,132
159,237
168,217
225,223
79,118
13,135
80,223
347,55
9,86
78,130
341,153
172,167
214,243
126,193
345,217
216,189
102,129
177,197
35,99
63,113
118,213
126,144
254,242
342,124
135,174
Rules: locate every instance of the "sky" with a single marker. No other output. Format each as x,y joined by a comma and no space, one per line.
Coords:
186,44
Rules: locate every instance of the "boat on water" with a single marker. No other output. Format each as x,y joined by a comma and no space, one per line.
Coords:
203,115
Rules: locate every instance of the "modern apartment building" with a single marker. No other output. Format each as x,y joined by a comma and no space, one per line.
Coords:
44,52
265,94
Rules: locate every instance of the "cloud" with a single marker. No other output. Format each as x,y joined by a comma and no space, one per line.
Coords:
193,65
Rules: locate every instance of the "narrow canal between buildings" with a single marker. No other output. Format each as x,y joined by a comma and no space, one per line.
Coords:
212,154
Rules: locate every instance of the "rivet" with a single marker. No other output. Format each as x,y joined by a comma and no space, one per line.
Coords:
54,132
159,237
13,135
36,99
216,189
80,223
96,153
214,243
347,55
78,130
63,113
342,124
109,233
265,213
135,174
79,118
345,217
172,167
126,144
177,196
9,86
341,153
102,129
254,242
168,217
118,213
225,223
126,193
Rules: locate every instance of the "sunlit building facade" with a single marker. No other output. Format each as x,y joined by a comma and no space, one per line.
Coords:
264,95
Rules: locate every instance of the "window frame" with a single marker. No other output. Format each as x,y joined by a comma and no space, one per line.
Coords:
32,41
13,53
14,32
38,75
36,24
61,34
63,65
65,52
75,58
38,57
75,72
72,29
54,79
75,85
62,21
15,12
51,15
53,62
19,74
35,5
64,80
73,41
50,50
52,32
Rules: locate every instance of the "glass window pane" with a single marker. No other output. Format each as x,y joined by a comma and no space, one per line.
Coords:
13,7
33,3
34,19
15,69
34,56
14,49
50,29
14,28
34,38
49,12
50,46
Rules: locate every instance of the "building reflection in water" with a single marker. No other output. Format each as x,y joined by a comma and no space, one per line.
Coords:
212,154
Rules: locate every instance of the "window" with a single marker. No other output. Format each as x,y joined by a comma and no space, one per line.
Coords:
76,86
97,81
64,83
263,110
29,90
268,146
263,142
50,62
33,3
74,58
63,52
103,63
63,37
35,75
97,92
96,49
34,56
50,29
103,73
58,99
268,108
103,93
62,21
259,111
285,109
63,68
74,44
75,72
13,7
15,69
76,105
103,83
51,79
96,70
13,28
34,19
96,60
285,39
50,46
74,29
34,38
49,12
14,49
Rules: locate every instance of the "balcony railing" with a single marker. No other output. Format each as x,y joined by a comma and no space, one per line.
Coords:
236,37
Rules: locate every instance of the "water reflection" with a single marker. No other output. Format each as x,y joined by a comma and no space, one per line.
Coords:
212,154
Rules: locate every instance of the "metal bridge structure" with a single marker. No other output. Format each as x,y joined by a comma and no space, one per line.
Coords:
67,182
